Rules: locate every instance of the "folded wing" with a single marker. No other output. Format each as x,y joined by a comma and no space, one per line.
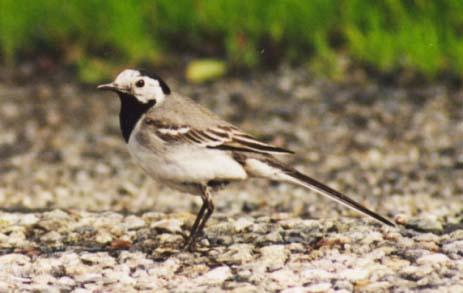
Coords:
219,137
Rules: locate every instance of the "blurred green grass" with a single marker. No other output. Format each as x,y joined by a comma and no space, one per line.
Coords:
417,35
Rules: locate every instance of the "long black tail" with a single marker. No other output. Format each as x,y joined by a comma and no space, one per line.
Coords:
266,166
313,184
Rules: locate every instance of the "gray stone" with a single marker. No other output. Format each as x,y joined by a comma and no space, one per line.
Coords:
215,276
168,225
238,254
435,258
274,256
320,287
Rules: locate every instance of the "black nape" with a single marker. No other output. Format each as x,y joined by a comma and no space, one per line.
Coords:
131,111
165,88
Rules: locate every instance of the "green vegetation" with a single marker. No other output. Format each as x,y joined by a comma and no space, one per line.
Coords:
423,36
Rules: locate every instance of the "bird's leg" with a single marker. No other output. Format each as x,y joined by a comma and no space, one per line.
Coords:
209,207
209,211
194,228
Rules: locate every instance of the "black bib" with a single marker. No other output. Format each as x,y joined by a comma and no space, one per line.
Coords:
131,111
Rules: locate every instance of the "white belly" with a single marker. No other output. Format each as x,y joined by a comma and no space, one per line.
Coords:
186,164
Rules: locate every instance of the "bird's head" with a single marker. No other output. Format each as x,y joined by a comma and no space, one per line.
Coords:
145,88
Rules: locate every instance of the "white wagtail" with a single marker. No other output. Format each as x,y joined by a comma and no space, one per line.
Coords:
187,147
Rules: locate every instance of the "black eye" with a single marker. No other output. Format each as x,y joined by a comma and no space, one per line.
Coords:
140,83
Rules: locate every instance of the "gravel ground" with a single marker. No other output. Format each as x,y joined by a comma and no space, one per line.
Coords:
77,214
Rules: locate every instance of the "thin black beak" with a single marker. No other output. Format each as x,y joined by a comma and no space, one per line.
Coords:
108,87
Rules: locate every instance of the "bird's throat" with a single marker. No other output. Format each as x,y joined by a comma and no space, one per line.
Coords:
131,111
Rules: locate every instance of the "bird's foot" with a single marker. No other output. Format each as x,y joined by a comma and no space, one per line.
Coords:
190,242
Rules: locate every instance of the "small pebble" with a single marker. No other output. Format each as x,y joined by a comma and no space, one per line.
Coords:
274,256
168,225
215,276
435,258
320,287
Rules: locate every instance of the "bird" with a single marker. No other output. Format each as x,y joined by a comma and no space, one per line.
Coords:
187,147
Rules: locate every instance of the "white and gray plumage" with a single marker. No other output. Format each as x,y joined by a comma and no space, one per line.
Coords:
184,145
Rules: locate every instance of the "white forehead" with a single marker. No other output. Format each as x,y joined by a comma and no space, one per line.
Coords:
127,76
